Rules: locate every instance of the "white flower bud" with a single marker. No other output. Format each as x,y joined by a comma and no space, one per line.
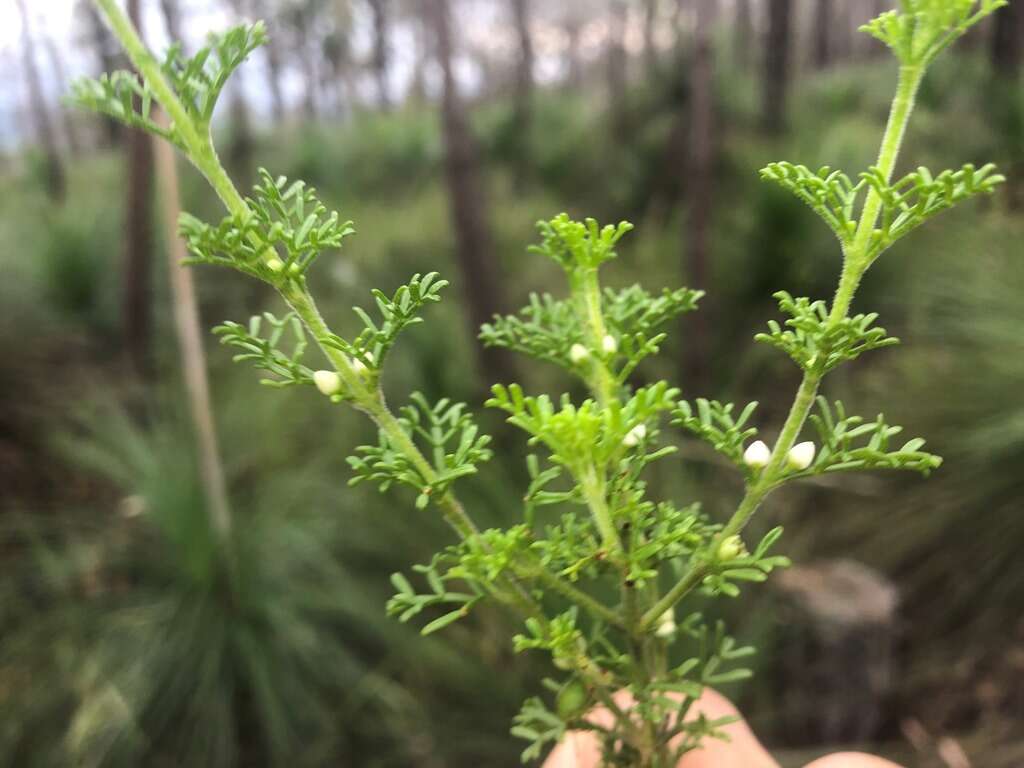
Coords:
634,436
275,264
731,548
358,366
757,455
578,353
609,344
666,624
328,382
801,455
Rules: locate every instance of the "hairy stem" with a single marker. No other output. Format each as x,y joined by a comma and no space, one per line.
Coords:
856,260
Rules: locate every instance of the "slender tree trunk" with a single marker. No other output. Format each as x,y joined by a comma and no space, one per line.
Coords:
106,56
524,87
700,190
240,146
306,64
823,27
1007,41
743,34
776,75
56,61
474,248
135,288
650,47
616,63
573,65
273,53
380,52
56,184
172,18
190,342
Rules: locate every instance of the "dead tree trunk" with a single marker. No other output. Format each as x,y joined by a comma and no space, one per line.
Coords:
56,185
135,286
823,22
474,249
524,87
700,190
776,74
380,52
190,344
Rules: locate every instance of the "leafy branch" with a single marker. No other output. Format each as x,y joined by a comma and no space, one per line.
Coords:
454,444
816,341
265,353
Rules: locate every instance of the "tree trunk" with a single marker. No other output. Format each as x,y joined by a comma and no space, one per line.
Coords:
135,286
573,65
1007,39
700,189
743,34
650,48
273,54
240,145
776,75
380,52
190,343
474,249
56,185
823,24
106,55
172,18
616,62
524,88
74,142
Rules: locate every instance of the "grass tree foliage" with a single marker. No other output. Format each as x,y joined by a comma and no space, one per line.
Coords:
598,572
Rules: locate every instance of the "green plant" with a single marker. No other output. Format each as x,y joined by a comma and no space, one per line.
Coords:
599,577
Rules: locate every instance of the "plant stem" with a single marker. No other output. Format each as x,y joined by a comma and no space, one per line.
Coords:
587,289
856,260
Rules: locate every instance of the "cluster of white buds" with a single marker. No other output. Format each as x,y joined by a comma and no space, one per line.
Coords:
578,353
634,436
609,345
666,624
800,456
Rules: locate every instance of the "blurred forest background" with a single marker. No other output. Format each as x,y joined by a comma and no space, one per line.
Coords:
445,128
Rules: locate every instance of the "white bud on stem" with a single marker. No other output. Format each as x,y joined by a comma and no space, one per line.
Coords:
578,353
757,455
666,624
634,436
275,264
328,382
801,455
609,344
